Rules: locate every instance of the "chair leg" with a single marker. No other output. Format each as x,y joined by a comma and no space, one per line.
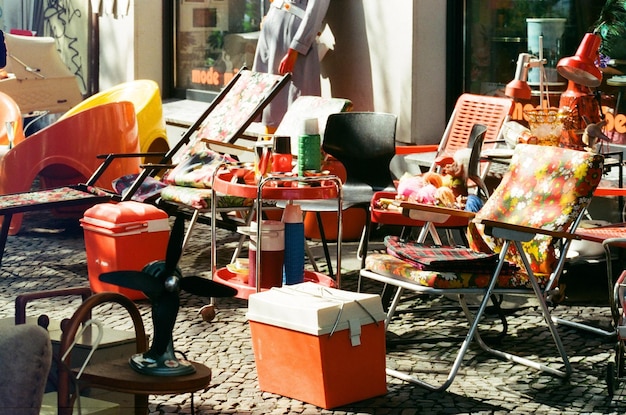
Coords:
472,333
309,254
548,320
456,365
429,229
361,252
318,216
4,233
612,332
192,224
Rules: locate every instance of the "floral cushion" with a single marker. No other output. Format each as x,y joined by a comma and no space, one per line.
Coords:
149,188
196,169
545,187
48,196
201,198
390,266
238,105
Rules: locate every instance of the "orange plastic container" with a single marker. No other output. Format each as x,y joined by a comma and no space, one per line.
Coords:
298,354
123,236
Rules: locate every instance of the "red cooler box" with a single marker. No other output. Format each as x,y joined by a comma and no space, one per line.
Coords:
123,236
319,344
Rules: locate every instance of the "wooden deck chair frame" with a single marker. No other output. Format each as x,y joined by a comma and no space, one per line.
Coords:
304,107
513,235
91,193
228,143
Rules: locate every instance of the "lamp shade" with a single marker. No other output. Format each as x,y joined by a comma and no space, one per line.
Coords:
518,88
581,68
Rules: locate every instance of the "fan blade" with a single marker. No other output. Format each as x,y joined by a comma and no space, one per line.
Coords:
135,280
206,287
175,244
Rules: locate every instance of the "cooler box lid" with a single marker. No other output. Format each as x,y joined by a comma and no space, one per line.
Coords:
128,217
314,309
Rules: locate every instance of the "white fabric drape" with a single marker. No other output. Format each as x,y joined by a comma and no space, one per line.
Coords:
23,14
115,8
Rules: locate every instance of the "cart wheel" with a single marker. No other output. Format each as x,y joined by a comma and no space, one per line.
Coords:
610,379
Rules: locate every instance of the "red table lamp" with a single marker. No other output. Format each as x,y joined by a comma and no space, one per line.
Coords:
581,68
518,88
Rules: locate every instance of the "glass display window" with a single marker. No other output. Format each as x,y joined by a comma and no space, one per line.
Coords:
497,31
212,40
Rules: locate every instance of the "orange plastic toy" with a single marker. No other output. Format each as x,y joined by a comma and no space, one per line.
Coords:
10,112
146,97
64,153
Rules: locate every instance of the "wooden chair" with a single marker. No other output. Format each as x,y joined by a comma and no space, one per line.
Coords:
117,375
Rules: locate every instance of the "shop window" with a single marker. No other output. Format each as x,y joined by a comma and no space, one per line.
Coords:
499,30
213,39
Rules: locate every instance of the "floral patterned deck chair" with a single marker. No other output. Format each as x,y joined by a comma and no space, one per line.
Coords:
536,207
225,120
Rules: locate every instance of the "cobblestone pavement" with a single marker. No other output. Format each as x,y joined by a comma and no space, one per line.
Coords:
49,253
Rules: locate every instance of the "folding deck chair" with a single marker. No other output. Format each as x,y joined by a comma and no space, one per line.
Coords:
223,122
536,207
61,156
185,188
225,119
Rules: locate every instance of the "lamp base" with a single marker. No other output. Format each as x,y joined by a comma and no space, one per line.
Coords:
581,104
164,365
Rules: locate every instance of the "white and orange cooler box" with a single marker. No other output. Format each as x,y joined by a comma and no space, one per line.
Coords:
123,236
320,345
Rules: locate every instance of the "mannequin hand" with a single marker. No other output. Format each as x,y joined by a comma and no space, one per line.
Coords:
288,62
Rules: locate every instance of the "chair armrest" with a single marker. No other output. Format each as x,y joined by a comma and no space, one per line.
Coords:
108,159
157,166
617,242
227,148
431,213
426,148
129,155
23,299
518,232
609,191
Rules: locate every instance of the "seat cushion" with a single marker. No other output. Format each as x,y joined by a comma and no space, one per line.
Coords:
201,198
149,188
435,257
196,168
542,189
25,358
390,266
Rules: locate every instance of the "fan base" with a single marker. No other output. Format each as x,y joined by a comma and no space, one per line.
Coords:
165,365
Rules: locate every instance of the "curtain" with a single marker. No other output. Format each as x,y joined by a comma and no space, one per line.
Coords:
23,15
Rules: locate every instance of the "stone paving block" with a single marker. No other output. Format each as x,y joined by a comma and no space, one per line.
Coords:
37,259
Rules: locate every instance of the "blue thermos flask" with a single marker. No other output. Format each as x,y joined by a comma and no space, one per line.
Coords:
294,244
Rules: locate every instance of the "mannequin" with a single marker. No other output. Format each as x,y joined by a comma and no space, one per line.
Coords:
287,45
3,57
